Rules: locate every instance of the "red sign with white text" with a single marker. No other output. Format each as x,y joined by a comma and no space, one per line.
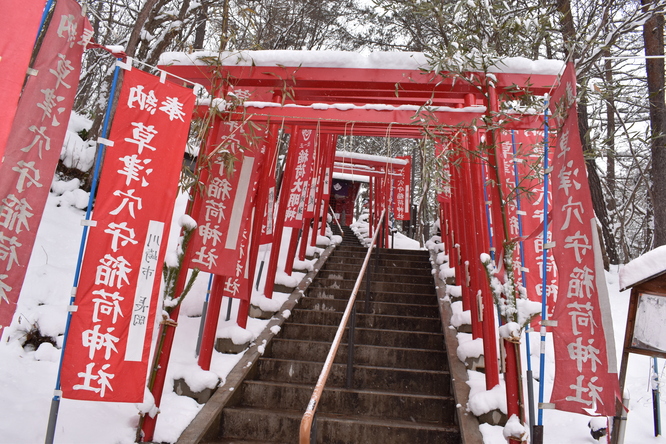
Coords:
19,23
303,144
402,192
521,178
585,370
34,145
108,347
224,210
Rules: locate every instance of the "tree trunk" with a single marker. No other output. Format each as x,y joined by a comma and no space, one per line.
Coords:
653,37
596,189
569,34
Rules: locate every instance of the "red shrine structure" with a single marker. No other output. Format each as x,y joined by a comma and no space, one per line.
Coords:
316,97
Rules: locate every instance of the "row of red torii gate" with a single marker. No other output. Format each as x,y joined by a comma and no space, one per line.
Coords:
492,152
493,187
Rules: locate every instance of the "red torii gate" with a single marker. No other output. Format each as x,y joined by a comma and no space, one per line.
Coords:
383,94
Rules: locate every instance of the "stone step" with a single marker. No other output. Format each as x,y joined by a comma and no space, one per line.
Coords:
383,322
346,267
341,401
376,286
386,308
396,263
333,275
276,425
384,296
370,355
426,382
397,338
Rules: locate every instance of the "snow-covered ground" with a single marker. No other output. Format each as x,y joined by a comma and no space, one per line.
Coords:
27,377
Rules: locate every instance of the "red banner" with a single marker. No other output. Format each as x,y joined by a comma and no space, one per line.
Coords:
108,347
19,23
402,191
303,144
34,146
585,371
224,210
525,189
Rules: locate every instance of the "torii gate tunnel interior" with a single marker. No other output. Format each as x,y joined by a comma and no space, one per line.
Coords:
464,116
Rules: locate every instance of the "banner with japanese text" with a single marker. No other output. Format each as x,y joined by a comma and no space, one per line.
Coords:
521,167
108,347
19,24
34,145
303,145
236,285
586,378
401,194
224,208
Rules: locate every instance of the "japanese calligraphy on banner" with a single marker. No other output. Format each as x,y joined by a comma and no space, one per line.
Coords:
107,351
402,192
34,144
585,370
526,222
303,146
237,285
224,209
19,24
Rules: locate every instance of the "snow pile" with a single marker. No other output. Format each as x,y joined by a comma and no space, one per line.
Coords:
468,347
237,334
481,400
459,316
70,193
644,267
345,59
77,153
273,304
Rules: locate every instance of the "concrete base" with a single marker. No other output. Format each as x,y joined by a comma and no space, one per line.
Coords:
226,345
494,417
282,288
476,364
182,389
258,313
464,328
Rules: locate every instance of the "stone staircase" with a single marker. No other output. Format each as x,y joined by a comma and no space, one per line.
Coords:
401,389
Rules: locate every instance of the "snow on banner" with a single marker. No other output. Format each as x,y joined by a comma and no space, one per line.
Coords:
223,210
585,368
108,346
33,146
19,23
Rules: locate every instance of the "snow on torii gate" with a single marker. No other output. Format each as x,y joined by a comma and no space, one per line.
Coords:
380,94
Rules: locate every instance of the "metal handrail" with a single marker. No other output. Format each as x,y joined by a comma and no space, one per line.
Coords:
335,218
308,417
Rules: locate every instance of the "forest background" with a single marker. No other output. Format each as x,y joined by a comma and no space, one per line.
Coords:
617,47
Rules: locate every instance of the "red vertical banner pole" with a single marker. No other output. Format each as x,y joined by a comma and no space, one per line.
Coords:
291,252
163,353
458,232
324,189
266,181
512,376
487,305
467,243
287,178
212,318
